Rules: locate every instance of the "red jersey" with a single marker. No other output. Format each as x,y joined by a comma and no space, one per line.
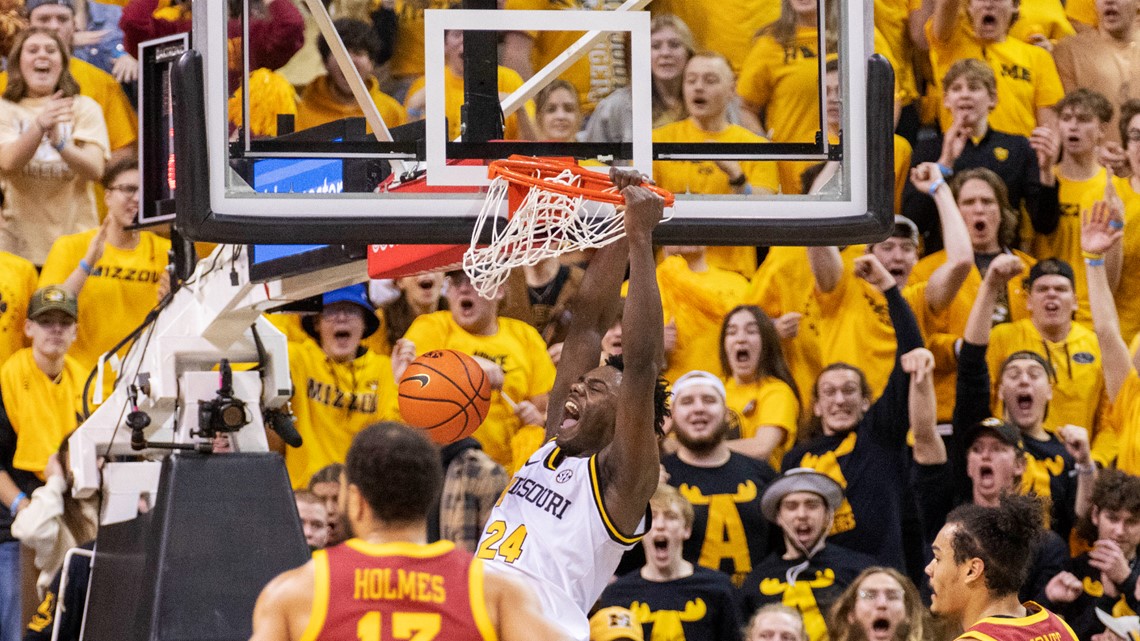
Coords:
368,592
1038,625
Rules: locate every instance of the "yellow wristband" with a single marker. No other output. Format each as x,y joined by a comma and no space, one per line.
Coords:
1091,256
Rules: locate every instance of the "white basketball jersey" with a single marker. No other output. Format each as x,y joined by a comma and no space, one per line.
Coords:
550,525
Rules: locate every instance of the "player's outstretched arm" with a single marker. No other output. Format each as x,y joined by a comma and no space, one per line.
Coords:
629,465
282,609
592,311
516,612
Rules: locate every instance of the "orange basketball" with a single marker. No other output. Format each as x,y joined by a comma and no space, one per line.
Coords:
446,394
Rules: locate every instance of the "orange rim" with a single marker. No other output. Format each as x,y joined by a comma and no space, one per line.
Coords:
528,170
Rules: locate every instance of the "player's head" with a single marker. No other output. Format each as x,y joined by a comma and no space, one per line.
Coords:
54,15
473,313
983,553
969,91
1051,293
365,49
346,318
52,323
709,87
557,112
991,19
672,526
1115,17
700,416
1026,387
750,347
1083,116
995,459
590,412
776,622
880,605
325,484
392,476
840,398
802,502
1115,513
983,201
899,251
314,518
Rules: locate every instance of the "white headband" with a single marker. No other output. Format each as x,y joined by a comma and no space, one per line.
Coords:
699,377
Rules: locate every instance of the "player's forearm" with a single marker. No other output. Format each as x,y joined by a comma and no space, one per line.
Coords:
600,288
643,330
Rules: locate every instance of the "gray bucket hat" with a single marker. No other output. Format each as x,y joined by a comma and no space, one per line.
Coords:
800,479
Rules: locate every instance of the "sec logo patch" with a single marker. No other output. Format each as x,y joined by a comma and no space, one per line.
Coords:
564,475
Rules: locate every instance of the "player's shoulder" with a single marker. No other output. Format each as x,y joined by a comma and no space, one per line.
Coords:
293,588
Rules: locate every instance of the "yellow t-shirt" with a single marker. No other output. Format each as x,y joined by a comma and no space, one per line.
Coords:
1126,414
1079,396
318,106
520,351
703,177
697,302
952,321
855,326
597,73
766,402
784,283
1043,17
123,285
42,411
784,83
1026,76
1082,11
903,153
509,81
1075,196
17,282
891,22
332,402
1127,294
725,27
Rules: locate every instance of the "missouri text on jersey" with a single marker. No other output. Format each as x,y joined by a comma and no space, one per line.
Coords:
541,496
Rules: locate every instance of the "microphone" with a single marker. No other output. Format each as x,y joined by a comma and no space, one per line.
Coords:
283,424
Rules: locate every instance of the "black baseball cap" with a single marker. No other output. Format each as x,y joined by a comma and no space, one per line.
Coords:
1050,267
1002,430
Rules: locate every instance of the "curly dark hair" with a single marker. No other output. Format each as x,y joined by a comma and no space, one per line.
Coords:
1114,490
1003,537
660,395
397,470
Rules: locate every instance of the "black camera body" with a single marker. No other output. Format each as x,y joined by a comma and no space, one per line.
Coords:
224,413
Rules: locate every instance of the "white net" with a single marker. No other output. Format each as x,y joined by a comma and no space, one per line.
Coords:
546,225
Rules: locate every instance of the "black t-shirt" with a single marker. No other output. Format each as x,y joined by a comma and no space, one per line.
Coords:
729,532
814,589
1053,463
698,607
1081,613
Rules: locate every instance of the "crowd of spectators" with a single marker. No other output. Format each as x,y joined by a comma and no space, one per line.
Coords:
989,346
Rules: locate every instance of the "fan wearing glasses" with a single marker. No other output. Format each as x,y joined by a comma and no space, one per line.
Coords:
114,270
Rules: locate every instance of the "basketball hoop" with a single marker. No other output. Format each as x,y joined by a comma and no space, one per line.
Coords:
547,216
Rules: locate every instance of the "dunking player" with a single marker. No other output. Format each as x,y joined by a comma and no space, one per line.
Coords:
981,558
580,501
387,583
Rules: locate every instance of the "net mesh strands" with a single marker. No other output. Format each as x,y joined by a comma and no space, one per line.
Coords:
564,208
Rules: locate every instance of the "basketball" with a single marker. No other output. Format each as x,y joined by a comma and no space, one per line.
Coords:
446,394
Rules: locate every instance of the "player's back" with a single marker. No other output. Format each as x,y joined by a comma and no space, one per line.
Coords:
1039,624
368,592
